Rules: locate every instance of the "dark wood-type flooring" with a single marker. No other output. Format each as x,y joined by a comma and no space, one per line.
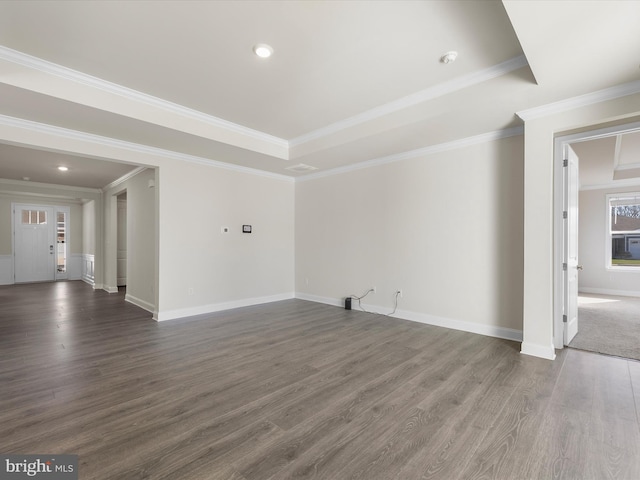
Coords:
297,390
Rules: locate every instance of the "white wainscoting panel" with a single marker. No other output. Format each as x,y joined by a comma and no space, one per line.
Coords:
88,262
6,269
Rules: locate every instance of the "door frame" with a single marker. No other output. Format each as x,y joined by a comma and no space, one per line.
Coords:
56,208
119,203
558,207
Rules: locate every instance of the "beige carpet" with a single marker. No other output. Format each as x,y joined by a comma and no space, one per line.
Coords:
608,324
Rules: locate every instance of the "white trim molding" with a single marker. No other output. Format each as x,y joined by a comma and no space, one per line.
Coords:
87,269
218,307
628,182
540,351
6,270
336,302
75,76
580,101
138,302
454,324
415,99
131,147
124,178
420,152
607,291
67,188
110,289
471,327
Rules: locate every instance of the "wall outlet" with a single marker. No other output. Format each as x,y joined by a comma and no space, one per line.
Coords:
399,292
190,291
373,289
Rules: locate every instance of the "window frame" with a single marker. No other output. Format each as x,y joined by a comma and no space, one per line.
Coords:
609,233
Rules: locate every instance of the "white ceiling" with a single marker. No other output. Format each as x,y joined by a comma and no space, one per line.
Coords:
609,161
349,81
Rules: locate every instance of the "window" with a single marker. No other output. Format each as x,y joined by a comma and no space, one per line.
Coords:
624,229
34,217
61,240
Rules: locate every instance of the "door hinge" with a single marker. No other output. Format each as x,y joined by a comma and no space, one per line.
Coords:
565,162
564,319
564,266
564,214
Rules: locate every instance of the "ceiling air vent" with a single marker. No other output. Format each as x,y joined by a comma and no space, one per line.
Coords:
301,168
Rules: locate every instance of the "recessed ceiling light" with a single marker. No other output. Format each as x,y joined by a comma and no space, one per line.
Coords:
63,169
263,50
449,57
26,179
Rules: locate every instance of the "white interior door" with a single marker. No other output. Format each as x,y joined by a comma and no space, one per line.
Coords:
34,243
570,264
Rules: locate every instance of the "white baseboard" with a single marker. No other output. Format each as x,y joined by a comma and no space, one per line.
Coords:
140,303
471,327
479,328
606,291
162,316
97,286
540,351
110,289
6,270
315,298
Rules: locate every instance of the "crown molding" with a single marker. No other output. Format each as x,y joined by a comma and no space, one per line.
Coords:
130,146
420,152
436,91
627,182
66,188
415,99
51,68
580,101
124,178
628,166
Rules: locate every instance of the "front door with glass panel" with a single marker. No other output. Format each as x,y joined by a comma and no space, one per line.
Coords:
34,243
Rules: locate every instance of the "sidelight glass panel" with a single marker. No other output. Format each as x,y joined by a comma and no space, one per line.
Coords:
61,242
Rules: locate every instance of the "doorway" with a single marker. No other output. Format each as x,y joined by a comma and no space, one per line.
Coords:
40,242
613,174
121,275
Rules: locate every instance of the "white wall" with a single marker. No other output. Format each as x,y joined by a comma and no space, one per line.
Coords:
202,269
538,310
595,277
193,201
141,239
447,229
